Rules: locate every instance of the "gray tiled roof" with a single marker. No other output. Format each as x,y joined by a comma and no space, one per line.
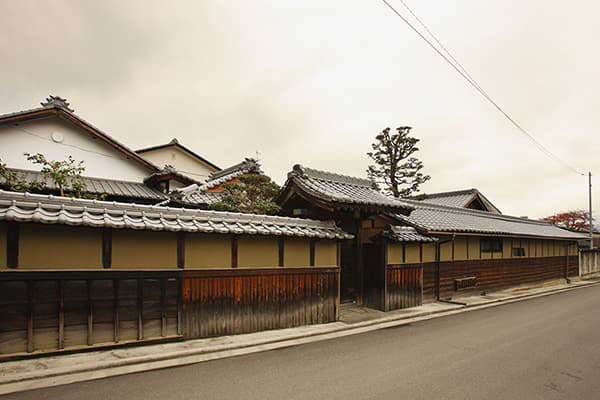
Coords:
340,189
458,198
406,234
25,207
249,165
436,218
133,190
197,195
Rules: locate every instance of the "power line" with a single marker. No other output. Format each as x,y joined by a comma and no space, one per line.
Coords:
451,60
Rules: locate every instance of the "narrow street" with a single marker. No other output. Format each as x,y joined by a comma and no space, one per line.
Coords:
544,348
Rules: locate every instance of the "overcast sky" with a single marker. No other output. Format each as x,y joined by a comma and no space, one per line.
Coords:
313,82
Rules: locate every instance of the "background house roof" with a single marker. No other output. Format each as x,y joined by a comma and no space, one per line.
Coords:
405,234
458,198
175,143
25,207
113,188
57,106
338,189
430,218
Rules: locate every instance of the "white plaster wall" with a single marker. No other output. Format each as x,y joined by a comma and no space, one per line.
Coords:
182,161
101,160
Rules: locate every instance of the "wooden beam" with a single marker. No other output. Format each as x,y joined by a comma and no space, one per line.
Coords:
106,248
180,249
312,252
163,307
90,316
61,314
234,252
140,308
12,245
281,251
116,319
30,312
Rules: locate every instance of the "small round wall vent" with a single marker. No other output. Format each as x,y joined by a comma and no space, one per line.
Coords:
57,137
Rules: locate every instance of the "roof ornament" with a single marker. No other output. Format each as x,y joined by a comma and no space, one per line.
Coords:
56,101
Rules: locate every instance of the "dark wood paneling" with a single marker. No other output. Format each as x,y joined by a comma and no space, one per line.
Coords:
238,301
404,286
495,274
45,312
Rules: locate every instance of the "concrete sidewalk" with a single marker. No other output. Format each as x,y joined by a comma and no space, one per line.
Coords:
68,368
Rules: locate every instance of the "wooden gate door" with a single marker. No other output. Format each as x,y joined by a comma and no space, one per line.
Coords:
404,286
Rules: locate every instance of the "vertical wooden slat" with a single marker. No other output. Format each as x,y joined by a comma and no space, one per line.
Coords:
312,253
61,314
12,245
90,314
30,311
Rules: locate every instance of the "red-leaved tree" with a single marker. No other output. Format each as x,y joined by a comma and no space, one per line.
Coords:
576,220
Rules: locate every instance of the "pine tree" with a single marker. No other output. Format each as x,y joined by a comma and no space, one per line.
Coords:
393,165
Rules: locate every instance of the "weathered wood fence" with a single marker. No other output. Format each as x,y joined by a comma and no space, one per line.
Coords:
403,286
589,262
71,310
496,273
222,302
50,311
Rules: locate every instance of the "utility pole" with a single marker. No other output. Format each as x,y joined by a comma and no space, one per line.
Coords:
591,220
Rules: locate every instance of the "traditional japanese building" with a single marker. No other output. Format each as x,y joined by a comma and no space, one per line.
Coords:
407,251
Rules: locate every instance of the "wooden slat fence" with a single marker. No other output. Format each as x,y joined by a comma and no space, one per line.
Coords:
62,310
224,302
404,286
495,274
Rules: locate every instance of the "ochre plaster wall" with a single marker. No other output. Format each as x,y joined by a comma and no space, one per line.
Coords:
460,249
258,251
296,253
474,249
394,253
326,253
143,249
2,245
207,251
507,245
446,251
413,253
59,246
429,252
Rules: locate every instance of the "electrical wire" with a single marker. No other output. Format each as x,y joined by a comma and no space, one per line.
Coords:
451,60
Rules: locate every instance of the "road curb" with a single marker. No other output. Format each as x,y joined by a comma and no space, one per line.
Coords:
79,373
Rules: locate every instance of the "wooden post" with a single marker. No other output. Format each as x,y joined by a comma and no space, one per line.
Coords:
281,252
163,311
234,252
106,248
12,245
30,312
90,319
180,249
312,252
140,308
61,314
116,321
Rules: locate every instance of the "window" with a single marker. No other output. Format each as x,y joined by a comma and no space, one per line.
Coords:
491,245
518,252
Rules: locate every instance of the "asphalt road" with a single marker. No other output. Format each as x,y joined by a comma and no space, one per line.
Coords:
546,348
